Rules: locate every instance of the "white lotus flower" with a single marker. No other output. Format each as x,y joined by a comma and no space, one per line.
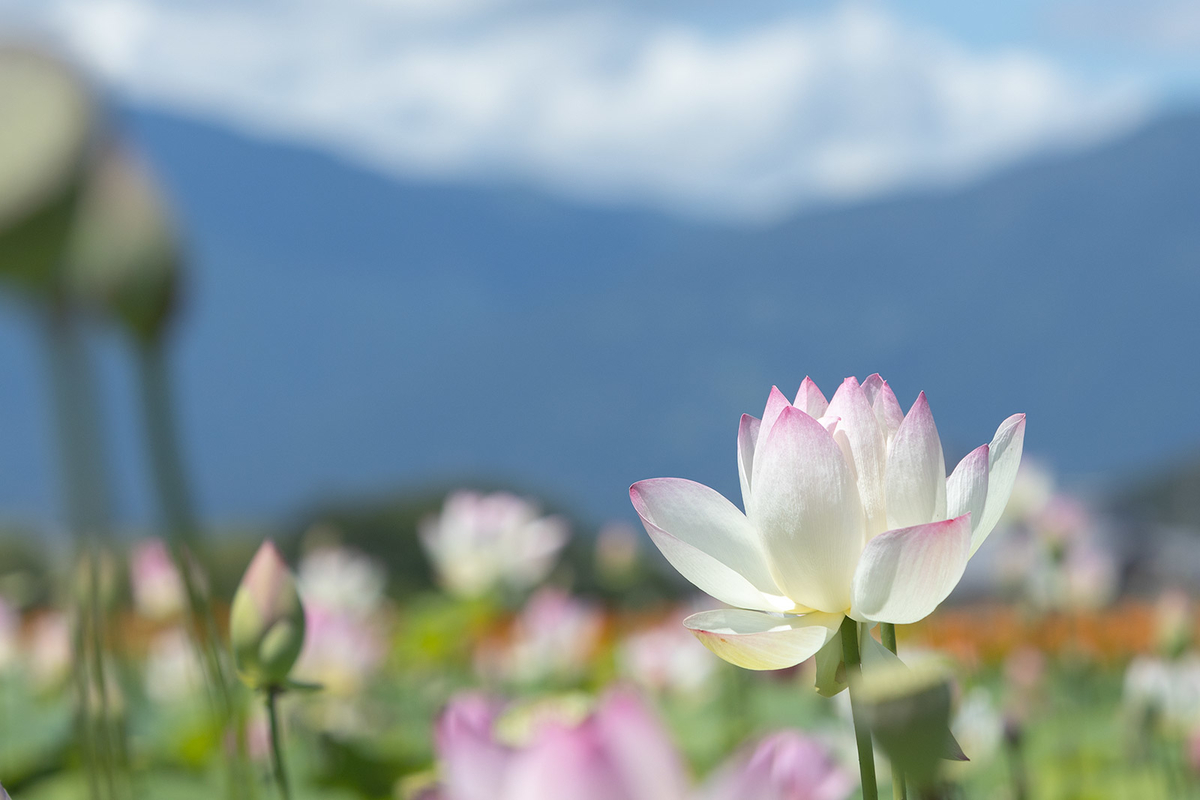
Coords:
481,542
848,513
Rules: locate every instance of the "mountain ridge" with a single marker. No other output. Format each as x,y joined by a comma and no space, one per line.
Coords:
351,332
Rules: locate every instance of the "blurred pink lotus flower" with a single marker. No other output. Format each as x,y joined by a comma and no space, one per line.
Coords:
553,638
158,591
783,766
666,658
483,542
346,627
848,512
556,750
341,650
10,629
1053,553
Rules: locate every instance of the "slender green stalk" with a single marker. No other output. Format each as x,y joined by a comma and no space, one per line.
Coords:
862,736
88,515
179,518
281,781
887,632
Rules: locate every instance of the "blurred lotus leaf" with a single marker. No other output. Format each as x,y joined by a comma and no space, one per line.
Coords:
46,129
123,256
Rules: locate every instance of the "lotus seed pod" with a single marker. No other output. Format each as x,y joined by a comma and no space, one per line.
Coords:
908,711
123,257
266,624
47,120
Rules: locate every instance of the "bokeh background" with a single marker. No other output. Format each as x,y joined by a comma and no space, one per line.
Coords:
551,248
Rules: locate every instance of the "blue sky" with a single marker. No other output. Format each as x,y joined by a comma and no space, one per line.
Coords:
735,110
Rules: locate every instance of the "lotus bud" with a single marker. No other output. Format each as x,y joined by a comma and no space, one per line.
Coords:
123,256
908,711
266,623
4,794
46,133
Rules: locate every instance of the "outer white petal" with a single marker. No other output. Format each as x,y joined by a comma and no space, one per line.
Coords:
810,400
1004,456
966,488
904,574
868,449
762,641
916,470
708,540
747,439
807,512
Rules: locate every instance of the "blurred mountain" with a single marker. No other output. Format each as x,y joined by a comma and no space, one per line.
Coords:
352,332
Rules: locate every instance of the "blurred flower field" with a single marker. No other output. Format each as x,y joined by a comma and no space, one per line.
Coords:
1069,701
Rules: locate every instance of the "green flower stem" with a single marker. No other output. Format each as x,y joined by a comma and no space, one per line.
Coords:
88,517
862,736
270,694
887,632
179,518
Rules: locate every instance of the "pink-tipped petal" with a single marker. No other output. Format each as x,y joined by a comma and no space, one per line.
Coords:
967,486
810,400
752,640
886,406
776,403
807,512
747,439
868,449
905,574
916,470
708,540
1004,457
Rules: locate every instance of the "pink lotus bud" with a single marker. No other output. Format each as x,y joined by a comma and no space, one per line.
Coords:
266,624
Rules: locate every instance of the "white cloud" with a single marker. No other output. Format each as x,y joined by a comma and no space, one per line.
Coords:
597,102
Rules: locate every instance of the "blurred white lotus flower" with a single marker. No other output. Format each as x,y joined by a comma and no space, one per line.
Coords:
553,638
1166,692
556,750
666,658
848,512
482,542
48,656
172,668
979,729
787,765
158,591
341,579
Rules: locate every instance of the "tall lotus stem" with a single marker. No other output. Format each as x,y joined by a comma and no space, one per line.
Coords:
862,735
887,632
270,695
88,517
